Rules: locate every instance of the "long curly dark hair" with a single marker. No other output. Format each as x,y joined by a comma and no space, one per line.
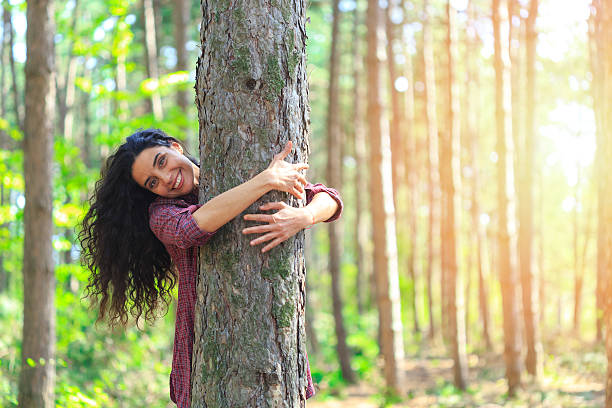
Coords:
131,271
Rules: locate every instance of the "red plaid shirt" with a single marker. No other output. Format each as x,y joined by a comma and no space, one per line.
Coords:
172,222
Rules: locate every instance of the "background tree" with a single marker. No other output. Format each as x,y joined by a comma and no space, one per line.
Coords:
449,176
334,179
526,176
37,379
383,215
506,213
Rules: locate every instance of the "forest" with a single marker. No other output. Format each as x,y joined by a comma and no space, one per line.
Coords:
469,141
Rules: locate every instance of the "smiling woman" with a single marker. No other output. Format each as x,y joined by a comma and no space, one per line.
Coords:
145,224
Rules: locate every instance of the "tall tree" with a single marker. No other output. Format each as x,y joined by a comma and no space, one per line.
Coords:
37,378
526,259
449,183
601,65
506,229
359,144
472,109
597,55
410,149
396,121
8,33
334,178
432,156
383,213
251,92
150,43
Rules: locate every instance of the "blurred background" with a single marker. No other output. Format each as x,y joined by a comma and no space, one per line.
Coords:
124,65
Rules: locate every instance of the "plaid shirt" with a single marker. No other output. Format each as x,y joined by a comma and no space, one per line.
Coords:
172,222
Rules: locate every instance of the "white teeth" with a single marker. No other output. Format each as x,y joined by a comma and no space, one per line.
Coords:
178,180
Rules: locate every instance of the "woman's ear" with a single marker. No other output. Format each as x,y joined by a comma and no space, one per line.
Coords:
177,147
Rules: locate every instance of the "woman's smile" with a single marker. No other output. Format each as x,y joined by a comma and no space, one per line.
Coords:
165,171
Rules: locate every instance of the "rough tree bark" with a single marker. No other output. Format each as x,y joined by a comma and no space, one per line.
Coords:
449,183
383,212
251,93
506,214
334,178
432,156
37,378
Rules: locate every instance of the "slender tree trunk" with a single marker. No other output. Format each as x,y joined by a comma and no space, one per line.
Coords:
37,378
150,44
602,63
184,99
251,92
528,283
577,271
120,51
449,181
363,271
432,157
3,61
383,213
396,115
506,230
17,101
597,56
410,168
472,109
334,178
181,23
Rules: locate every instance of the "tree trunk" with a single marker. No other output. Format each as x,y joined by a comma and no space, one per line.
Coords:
334,178
361,243
251,92
597,60
396,115
602,66
528,283
37,378
410,168
432,157
472,111
506,214
383,214
449,182
3,61
120,52
181,23
150,44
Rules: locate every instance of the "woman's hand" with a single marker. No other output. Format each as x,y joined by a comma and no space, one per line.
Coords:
285,176
281,226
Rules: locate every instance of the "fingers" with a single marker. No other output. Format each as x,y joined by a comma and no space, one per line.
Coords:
259,217
260,229
275,205
285,151
296,193
301,166
263,238
272,244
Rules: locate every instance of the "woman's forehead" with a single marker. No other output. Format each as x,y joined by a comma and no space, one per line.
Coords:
145,161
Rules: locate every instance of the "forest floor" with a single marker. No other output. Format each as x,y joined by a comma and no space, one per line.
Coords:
573,375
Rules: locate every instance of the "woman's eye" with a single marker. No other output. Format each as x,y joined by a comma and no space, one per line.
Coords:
153,184
162,161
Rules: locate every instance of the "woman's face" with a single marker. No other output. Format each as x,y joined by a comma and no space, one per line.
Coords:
165,171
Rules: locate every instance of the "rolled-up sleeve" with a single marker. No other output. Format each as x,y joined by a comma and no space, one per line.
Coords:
314,189
175,225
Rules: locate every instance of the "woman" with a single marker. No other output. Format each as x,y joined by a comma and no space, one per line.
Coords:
144,225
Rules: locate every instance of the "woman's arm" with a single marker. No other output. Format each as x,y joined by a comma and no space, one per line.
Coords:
289,220
280,175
